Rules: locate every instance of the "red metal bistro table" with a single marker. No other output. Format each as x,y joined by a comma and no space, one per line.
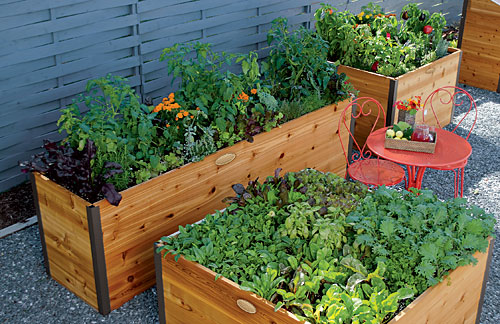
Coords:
451,150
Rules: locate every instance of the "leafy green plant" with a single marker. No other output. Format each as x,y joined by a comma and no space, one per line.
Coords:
374,41
297,68
235,106
329,250
419,237
119,125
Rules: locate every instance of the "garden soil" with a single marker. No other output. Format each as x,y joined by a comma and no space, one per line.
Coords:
16,205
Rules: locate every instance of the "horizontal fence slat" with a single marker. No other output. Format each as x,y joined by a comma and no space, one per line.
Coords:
29,6
52,48
84,19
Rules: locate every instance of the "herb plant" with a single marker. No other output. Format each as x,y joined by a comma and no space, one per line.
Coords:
374,41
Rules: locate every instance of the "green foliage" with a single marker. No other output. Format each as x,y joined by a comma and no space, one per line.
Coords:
235,106
297,68
373,41
330,251
419,237
118,124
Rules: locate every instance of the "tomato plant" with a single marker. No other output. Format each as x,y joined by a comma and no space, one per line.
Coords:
378,42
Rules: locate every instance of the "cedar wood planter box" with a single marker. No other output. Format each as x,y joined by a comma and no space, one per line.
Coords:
480,43
188,293
102,253
389,90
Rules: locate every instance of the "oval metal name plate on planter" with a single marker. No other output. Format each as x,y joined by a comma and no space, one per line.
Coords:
225,159
246,306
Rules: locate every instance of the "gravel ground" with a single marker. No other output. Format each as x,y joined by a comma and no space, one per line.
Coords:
27,295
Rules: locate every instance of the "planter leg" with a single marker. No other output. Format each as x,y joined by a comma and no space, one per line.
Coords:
40,224
159,286
99,262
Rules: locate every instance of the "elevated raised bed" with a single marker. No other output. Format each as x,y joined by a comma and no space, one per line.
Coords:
188,293
102,253
479,40
389,90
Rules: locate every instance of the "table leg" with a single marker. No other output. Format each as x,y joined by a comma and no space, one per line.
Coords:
415,176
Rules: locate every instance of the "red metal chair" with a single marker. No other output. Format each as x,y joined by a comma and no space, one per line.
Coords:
455,96
361,166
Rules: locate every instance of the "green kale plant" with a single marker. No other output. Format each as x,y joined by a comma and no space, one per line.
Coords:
419,237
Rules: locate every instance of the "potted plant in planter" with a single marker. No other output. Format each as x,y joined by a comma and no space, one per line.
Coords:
309,247
390,59
169,163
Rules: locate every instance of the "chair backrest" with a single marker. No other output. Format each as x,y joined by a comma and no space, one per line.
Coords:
362,106
458,98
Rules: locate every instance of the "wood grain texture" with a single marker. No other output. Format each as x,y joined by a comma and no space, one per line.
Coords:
426,79
372,85
481,45
191,295
455,300
185,195
65,228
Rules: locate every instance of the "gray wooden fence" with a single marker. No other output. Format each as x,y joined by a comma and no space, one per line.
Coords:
51,48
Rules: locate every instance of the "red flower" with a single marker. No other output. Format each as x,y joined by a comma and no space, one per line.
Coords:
375,66
330,11
388,36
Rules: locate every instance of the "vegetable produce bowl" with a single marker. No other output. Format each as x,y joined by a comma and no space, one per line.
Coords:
414,146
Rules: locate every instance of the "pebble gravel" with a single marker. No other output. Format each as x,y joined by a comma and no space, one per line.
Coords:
28,295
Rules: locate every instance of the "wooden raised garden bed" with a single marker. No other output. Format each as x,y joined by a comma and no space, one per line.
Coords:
389,90
188,293
479,40
102,253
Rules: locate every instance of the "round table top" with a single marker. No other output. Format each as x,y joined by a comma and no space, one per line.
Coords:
451,149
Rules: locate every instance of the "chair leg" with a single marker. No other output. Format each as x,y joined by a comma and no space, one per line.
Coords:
462,171
456,180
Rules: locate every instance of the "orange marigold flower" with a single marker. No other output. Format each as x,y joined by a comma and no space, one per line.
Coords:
243,96
197,108
177,127
179,115
165,100
192,116
175,105
171,96
186,113
176,118
253,91
168,125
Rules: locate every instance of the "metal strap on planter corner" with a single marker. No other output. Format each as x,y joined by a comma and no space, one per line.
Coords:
485,280
98,260
159,286
40,225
